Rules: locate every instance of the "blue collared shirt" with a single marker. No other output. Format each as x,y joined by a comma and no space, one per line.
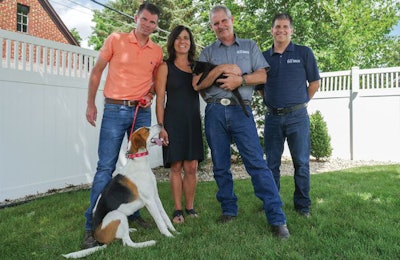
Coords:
244,53
288,77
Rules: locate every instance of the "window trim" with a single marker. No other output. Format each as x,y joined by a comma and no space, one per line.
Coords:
22,18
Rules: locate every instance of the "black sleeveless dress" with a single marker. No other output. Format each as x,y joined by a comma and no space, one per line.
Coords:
182,118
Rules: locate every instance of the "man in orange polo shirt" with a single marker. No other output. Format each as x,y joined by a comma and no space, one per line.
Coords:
132,59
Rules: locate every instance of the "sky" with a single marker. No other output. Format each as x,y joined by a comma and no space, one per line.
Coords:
79,13
396,30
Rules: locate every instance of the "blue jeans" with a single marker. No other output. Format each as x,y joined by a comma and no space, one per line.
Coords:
295,128
116,123
224,124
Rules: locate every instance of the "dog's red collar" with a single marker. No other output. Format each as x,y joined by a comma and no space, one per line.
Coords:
135,155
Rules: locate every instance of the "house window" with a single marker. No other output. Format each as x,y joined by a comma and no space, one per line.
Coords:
22,18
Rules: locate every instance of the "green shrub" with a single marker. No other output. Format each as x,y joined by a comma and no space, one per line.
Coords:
320,139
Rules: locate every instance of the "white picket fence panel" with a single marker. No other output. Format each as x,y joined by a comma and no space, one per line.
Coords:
46,143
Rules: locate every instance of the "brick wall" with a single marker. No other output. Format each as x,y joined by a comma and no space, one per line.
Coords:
8,17
40,23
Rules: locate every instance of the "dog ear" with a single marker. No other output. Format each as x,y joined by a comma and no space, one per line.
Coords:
138,140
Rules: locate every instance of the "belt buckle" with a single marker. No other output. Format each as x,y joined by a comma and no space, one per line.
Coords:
225,101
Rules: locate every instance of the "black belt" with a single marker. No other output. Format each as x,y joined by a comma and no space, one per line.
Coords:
227,101
285,110
129,103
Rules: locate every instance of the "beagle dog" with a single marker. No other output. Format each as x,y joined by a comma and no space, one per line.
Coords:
133,188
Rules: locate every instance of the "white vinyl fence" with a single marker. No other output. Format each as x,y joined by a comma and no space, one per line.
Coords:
45,140
46,143
362,111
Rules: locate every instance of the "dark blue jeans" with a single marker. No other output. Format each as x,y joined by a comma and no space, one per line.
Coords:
295,128
116,124
224,124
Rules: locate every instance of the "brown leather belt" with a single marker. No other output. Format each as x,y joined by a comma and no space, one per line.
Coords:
129,103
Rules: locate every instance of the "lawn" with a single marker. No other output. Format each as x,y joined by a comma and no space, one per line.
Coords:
355,215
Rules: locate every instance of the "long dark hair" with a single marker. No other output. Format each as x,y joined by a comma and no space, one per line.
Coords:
171,40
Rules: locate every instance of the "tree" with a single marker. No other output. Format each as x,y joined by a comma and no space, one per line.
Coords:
342,34
173,13
76,35
108,21
355,33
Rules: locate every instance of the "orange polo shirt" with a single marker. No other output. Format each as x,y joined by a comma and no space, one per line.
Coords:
131,68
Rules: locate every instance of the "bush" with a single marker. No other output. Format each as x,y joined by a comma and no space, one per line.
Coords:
320,139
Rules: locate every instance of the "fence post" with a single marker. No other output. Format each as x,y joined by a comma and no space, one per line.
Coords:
355,86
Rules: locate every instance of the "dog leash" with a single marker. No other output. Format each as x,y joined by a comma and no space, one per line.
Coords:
141,102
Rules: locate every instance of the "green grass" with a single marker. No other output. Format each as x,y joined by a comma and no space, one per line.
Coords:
355,215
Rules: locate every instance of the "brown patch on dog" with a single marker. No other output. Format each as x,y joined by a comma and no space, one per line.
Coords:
107,234
131,186
138,139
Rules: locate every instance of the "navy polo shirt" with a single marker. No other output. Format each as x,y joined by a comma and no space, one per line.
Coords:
288,76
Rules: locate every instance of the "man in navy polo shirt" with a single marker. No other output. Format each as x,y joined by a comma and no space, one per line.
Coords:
292,81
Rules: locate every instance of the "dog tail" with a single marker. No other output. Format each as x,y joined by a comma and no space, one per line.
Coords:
84,252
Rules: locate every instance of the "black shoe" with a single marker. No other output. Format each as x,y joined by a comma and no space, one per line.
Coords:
89,241
177,217
225,219
303,213
281,231
139,221
191,213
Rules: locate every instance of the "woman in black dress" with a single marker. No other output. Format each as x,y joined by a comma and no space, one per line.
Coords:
178,109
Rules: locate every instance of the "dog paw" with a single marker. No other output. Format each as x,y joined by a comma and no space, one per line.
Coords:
168,234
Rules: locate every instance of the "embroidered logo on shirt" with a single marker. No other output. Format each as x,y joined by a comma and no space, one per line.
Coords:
293,61
242,52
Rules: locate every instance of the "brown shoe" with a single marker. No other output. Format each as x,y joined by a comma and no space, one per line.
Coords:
281,231
139,221
225,219
89,241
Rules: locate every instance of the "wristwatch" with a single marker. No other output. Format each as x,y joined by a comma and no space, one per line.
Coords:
243,81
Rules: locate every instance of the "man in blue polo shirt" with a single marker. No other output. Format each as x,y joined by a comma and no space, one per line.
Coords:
241,61
292,81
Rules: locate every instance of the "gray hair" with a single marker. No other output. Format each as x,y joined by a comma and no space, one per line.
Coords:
218,8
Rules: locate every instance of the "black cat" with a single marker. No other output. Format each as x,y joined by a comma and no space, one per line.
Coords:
205,68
